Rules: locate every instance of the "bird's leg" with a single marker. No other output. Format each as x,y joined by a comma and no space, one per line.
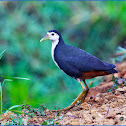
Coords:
85,92
81,94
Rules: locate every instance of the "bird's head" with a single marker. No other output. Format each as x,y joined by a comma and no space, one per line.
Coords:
52,35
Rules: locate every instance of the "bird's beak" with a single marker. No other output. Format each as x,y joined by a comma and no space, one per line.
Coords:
45,38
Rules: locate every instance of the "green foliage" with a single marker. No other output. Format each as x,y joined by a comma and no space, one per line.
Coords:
53,121
3,79
48,122
98,27
120,55
1,85
28,110
117,81
16,120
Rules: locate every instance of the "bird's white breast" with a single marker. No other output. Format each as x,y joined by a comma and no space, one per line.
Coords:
54,44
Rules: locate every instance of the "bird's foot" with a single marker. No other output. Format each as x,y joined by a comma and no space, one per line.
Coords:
64,109
84,96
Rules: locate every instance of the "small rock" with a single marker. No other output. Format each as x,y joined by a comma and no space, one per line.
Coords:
40,119
97,99
122,90
120,119
37,124
68,114
85,106
75,122
93,117
98,95
93,111
111,122
116,75
121,101
111,115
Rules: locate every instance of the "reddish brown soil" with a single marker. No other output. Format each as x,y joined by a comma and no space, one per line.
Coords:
100,106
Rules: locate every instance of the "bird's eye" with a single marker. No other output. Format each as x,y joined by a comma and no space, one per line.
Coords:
52,34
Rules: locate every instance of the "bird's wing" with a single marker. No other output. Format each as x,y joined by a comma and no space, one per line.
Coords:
85,62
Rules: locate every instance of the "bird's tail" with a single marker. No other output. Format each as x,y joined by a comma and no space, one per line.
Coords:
112,71
110,68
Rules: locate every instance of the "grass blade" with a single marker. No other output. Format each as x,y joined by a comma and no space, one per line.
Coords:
21,78
1,54
12,107
13,78
1,99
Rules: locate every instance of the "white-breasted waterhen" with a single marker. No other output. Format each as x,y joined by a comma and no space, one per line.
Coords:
76,63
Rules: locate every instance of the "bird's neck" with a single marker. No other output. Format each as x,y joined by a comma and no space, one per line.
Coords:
57,42
54,45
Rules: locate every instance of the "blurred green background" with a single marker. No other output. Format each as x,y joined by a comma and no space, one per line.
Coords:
97,27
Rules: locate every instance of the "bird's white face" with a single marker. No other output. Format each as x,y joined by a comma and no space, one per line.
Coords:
51,36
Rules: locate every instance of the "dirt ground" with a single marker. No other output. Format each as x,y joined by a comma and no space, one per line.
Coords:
100,107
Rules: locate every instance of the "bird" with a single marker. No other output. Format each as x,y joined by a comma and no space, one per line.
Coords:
76,63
